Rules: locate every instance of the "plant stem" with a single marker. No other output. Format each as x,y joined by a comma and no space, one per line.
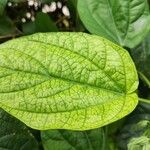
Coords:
144,100
144,78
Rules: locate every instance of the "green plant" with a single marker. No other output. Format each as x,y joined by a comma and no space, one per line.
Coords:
68,89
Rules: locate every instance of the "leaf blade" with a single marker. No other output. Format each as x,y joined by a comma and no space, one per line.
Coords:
54,139
70,89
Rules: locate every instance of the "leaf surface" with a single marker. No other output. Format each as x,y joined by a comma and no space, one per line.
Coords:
125,22
66,81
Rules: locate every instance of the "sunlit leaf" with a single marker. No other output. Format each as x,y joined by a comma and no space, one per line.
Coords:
66,81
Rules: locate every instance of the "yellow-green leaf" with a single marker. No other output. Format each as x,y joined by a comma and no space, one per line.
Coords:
66,81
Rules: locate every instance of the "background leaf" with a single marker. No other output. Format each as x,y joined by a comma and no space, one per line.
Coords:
15,135
66,81
73,140
124,22
135,133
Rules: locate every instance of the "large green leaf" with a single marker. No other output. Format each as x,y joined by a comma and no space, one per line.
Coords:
141,56
14,135
125,22
73,140
66,80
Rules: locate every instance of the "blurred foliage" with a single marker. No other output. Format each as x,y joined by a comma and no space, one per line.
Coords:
11,24
89,140
141,56
14,134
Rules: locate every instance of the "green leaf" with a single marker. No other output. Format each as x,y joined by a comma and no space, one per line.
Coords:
141,56
66,81
124,22
2,6
73,140
14,135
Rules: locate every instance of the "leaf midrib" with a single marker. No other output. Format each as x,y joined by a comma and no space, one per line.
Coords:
64,79
60,111
106,30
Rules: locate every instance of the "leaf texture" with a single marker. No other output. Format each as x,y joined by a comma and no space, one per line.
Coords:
66,81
